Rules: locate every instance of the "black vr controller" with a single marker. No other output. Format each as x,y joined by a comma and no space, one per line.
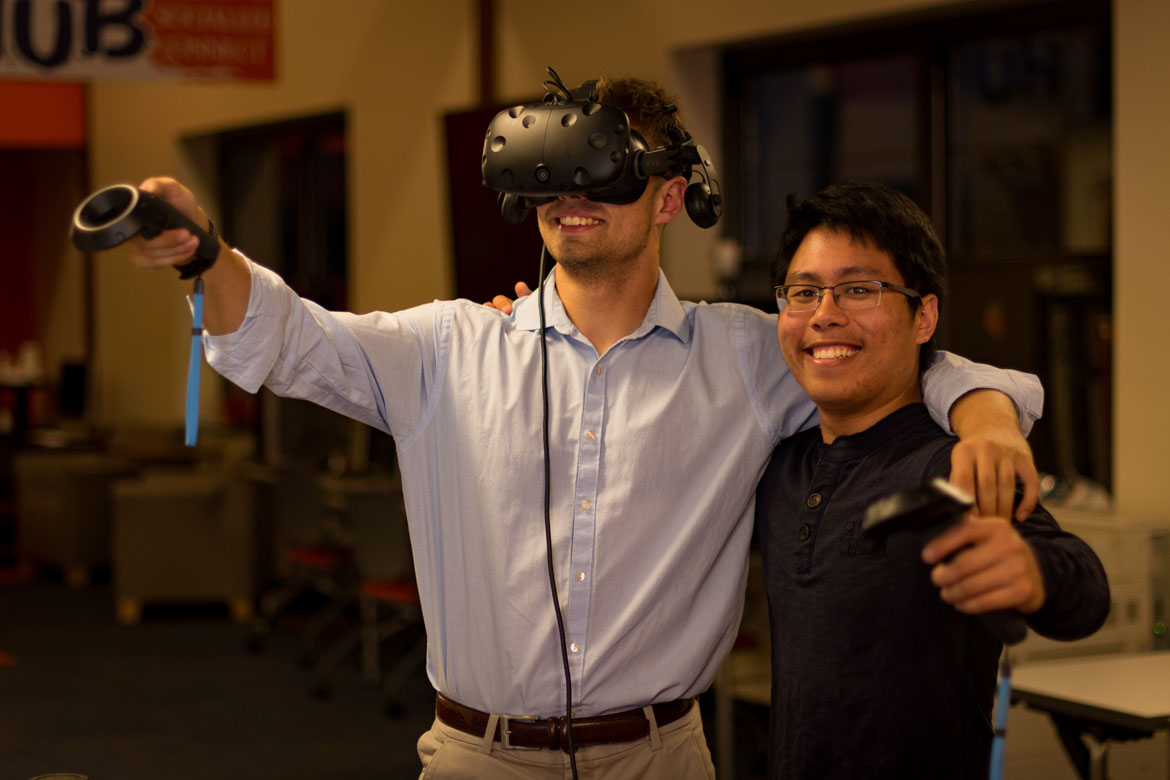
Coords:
931,510
115,214
572,145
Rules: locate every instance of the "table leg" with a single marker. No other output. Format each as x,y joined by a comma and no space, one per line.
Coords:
1098,757
1074,746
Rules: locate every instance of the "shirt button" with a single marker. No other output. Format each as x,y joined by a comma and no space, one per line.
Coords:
597,370
585,504
813,501
574,648
805,532
590,435
580,576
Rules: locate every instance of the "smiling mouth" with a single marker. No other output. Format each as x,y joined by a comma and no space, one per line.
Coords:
577,221
834,352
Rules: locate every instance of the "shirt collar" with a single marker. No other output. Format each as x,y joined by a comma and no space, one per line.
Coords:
898,423
665,311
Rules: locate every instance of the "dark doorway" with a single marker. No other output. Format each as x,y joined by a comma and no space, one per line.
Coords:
282,190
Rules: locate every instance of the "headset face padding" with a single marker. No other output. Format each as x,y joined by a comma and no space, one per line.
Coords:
514,208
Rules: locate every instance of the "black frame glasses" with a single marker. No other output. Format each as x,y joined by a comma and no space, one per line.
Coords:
850,296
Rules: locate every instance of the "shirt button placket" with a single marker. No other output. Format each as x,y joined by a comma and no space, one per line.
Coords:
585,514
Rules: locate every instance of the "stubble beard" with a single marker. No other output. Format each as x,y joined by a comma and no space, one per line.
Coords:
605,266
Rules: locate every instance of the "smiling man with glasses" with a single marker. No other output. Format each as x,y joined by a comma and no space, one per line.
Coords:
881,667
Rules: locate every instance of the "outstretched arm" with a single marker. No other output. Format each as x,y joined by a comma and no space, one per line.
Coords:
994,567
226,284
1051,576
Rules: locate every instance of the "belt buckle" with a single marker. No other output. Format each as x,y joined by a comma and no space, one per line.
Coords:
506,731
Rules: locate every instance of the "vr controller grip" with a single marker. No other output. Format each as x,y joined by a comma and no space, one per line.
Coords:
931,510
159,215
1007,625
115,214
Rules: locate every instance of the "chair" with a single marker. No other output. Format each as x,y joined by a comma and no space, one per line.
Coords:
184,535
63,509
315,558
388,594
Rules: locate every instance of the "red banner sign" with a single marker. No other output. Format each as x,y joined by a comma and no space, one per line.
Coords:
93,39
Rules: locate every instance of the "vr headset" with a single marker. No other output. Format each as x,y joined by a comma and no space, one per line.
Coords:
570,144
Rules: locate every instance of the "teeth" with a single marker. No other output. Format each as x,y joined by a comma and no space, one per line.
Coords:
575,221
833,353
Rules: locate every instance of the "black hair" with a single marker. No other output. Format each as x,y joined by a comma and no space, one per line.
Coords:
882,218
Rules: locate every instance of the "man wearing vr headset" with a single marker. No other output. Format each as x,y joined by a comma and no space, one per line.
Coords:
662,417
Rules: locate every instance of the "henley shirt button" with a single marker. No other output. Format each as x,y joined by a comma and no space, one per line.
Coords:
574,647
580,576
585,504
813,501
597,370
805,532
590,435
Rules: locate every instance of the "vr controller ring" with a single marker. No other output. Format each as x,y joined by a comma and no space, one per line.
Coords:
115,214
101,212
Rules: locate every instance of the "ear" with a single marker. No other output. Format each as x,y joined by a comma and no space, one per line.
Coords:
670,200
926,319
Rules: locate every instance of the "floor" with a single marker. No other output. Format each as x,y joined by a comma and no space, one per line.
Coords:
179,697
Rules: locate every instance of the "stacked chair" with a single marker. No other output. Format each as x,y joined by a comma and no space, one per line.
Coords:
390,639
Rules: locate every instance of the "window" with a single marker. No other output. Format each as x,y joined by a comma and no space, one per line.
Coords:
998,123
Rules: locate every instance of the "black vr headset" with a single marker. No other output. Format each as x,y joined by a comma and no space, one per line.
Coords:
571,145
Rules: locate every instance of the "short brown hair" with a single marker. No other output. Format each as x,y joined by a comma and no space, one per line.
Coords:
651,109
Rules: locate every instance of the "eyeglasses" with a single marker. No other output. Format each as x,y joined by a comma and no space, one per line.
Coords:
850,296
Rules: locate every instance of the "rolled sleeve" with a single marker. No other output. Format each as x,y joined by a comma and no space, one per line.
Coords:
951,377
246,355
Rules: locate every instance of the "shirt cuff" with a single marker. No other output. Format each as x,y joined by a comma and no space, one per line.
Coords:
240,355
951,377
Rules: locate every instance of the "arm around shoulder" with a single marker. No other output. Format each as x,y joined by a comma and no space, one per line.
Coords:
951,377
991,409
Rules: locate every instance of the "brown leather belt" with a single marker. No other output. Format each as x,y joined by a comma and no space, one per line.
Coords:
550,733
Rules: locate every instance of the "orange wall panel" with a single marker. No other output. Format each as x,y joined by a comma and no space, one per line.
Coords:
42,115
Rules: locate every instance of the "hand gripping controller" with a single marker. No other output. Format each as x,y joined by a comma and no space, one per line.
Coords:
115,214
932,509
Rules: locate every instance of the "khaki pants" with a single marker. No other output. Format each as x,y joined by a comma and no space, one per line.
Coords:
677,751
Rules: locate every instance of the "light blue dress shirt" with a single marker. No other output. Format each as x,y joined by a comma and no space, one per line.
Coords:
656,449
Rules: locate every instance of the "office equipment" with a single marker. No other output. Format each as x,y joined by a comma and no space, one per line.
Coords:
1135,552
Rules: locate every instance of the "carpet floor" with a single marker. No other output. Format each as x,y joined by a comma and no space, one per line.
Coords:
178,698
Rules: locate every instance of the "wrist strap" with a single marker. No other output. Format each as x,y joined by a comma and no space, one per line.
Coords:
198,265
194,365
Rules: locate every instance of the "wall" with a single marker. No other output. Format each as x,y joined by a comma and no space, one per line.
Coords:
394,79
1141,270
397,79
